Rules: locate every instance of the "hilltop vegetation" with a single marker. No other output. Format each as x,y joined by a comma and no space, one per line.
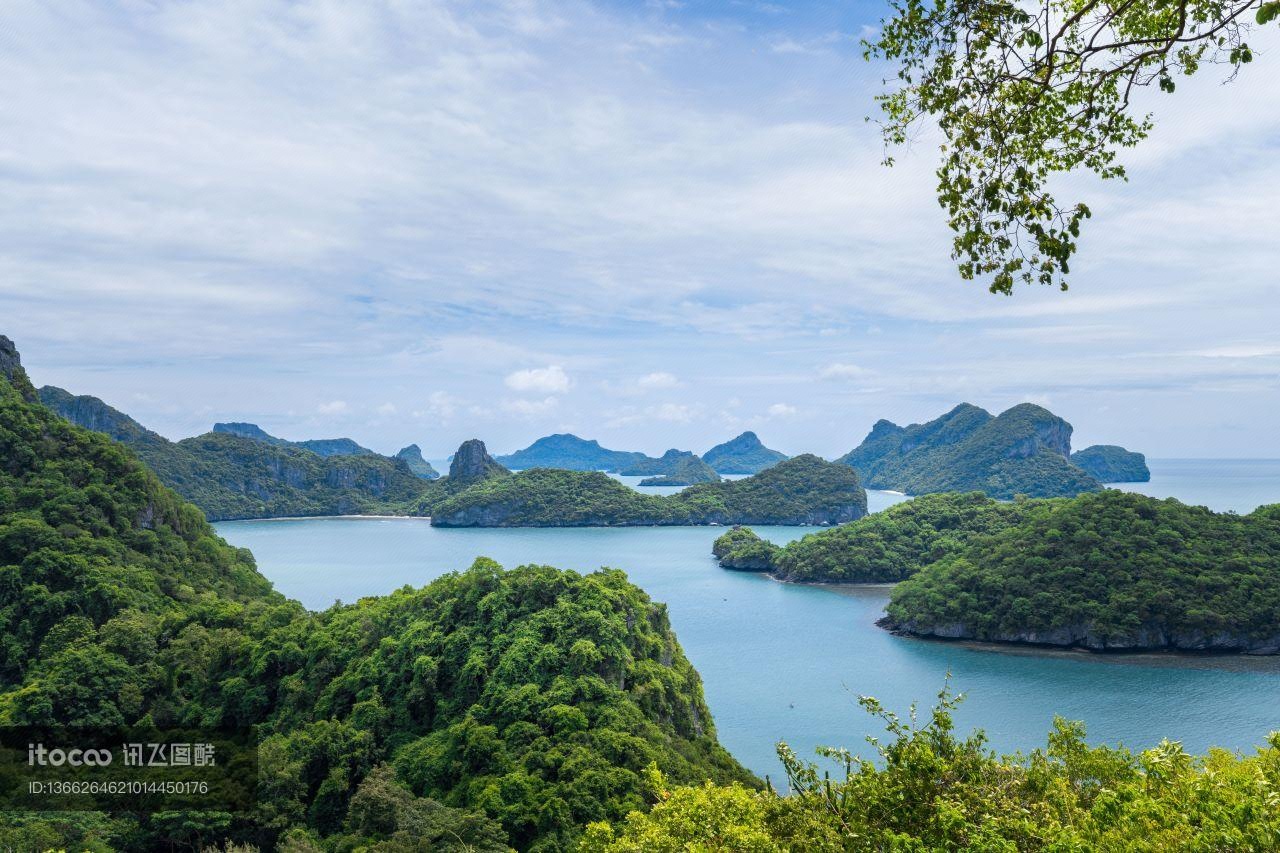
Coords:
1023,451
742,455
489,708
1108,463
1112,570
804,490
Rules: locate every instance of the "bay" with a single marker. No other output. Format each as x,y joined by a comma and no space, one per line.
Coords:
787,662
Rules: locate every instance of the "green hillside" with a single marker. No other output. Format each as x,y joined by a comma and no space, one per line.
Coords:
489,708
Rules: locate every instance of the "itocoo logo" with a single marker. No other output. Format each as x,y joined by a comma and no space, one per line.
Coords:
37,754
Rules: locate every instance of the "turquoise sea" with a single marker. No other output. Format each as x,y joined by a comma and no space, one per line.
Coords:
781,661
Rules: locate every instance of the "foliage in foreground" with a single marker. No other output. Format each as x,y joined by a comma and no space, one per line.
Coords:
929,789
1026,91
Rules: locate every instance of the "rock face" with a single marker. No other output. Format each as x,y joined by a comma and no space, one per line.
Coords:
1149,637
1023,451
472,463
1109,463
11,369
412,456
742,455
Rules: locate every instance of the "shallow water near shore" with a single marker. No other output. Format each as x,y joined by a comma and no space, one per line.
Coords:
784,661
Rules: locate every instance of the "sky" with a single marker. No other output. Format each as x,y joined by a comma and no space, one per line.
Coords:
656,224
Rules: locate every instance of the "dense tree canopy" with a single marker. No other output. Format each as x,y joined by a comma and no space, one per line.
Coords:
1024,91
1108,570
488,709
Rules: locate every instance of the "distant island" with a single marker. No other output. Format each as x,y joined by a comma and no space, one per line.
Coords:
1023,451
571,453
742,455
236,473
1105,571
688,470
1108,463
318,446
804,490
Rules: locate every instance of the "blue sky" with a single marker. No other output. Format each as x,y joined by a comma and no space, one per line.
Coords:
652,223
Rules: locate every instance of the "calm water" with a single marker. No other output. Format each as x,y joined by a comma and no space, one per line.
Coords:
1237,485
786,662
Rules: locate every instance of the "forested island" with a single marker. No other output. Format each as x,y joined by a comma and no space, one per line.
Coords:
1107,571
803,490
744,454
1109,463
1023,451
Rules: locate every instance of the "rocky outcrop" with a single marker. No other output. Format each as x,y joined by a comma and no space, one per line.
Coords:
1151,637
472,463
412,456
11,370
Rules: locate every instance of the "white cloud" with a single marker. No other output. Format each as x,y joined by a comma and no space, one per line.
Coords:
386,409
333,407
782,410
549,380
657,380
842,370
